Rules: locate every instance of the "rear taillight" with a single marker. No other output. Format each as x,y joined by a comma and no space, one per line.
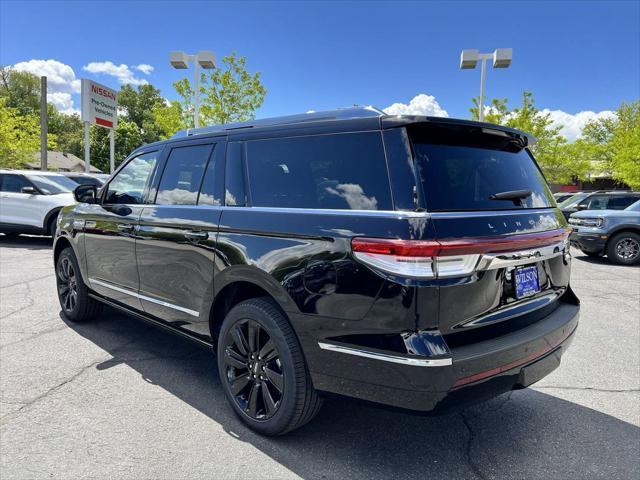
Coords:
444,258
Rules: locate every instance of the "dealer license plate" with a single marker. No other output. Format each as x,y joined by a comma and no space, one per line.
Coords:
526,280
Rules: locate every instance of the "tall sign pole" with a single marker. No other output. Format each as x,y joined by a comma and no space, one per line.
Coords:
99,107
44,123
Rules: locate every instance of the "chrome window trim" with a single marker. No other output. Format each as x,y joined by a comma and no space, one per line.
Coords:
144,297
416,362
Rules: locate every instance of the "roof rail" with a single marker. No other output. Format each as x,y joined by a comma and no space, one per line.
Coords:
338,114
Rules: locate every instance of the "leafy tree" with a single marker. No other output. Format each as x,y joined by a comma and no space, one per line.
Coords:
138,106
68,130
127,139
20,90
171,118
19,136
494,113
228,94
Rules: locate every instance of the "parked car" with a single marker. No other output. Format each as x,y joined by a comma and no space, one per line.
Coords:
84,178
412,261
30,201
614,233
614,200
562,196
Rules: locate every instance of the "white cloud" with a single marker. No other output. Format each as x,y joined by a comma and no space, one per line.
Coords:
122,72
144,68
60,77
421,104
61,82
572,124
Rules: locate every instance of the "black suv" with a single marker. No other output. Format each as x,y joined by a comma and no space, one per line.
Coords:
411,261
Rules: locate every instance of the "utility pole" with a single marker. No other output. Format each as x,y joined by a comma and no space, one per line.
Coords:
44,123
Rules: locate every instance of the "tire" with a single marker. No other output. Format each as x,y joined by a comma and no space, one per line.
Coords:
265,380
590,254
73,294
624,248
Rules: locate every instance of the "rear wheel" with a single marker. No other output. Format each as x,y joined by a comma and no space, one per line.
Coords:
262,370
624,248
73,294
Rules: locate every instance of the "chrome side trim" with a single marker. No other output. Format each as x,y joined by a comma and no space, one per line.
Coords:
331,211
193,313
416,362
494,261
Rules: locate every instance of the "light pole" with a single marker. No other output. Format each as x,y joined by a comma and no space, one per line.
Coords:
469,59
205,59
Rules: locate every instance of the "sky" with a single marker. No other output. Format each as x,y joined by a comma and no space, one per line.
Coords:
580,59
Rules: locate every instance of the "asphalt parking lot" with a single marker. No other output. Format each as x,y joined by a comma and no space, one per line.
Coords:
117,398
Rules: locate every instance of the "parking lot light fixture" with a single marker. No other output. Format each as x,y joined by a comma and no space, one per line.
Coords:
205,59
500,58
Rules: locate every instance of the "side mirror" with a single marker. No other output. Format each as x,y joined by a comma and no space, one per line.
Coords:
582,206
86,194
29,190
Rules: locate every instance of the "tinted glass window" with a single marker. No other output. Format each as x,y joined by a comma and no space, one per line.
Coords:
13,183
127,187
462,170
597,202
87,181
621,202
51,185
183,174
345,171
234,191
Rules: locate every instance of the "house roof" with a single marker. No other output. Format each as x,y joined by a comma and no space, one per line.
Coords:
62,162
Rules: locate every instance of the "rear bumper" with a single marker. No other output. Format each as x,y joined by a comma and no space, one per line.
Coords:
470,374
590,242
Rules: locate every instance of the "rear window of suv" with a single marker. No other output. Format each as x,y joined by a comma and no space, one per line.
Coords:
338,171
461,169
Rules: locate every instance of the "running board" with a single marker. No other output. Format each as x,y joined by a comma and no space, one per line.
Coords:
152,321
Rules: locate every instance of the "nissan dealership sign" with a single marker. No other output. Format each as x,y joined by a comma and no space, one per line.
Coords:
99,104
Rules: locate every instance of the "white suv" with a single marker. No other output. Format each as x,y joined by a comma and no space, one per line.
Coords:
30,200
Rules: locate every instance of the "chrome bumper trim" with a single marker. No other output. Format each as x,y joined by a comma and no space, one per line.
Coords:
416,362
188,311
495,261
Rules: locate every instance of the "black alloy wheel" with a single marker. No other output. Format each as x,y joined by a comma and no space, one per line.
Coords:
73,294
67,285
253,370
263,372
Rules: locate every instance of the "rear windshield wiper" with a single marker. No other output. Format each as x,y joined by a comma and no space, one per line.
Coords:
516,195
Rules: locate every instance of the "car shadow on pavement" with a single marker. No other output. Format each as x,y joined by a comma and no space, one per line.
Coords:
522,434
30,242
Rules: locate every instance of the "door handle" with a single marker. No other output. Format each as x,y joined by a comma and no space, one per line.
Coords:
125,227
196,235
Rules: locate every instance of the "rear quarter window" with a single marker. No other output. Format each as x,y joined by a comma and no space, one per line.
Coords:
338,171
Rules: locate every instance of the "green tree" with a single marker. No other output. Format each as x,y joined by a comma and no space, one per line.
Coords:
624,144
127,139
20,90
68,130
228,94
170,118
138,106
19,136
494,113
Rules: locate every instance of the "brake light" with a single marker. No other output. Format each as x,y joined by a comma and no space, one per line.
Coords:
444,258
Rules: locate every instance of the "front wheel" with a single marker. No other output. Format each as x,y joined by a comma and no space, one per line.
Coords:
624,248
73,294
262,369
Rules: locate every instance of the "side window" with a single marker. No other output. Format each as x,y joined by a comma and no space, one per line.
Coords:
621,202
183,174
234,191
14,183
340,171
597,202
127,187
